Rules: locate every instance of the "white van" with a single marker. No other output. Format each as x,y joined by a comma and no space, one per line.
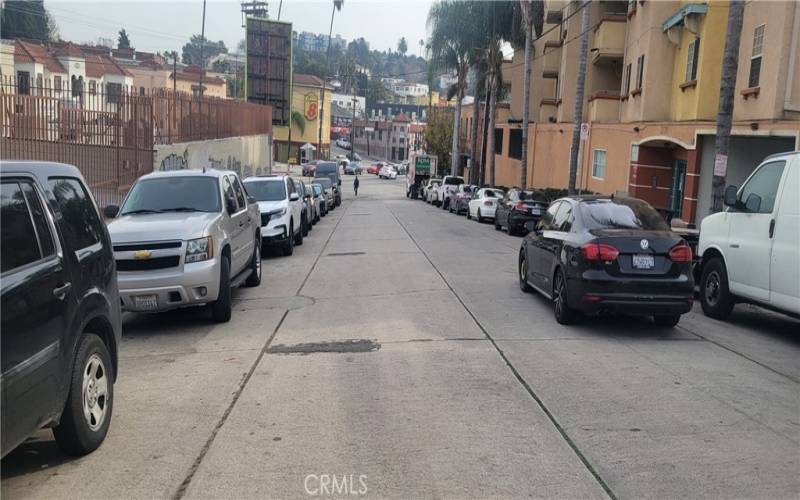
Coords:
751,251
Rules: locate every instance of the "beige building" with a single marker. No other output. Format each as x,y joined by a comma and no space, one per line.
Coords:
651,97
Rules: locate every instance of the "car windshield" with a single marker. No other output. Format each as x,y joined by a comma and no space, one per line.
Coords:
621,213
453,181
173,194
263,190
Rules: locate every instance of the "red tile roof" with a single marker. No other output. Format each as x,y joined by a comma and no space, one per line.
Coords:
33,52
192,74
307,80
401,118
99,65
69,50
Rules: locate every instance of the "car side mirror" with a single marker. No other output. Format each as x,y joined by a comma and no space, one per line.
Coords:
339,183
730,196
251,199
111,211
531,226
230,205
753,203
294,197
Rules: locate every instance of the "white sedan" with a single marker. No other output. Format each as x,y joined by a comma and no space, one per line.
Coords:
483,205
387,172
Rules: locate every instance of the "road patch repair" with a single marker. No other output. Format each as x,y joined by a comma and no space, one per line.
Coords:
338,346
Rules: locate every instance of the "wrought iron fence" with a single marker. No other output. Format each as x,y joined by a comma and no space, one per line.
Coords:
110,133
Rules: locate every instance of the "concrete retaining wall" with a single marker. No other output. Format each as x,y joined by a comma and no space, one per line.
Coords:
246,155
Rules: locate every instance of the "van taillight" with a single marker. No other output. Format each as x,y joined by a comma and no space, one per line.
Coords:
680,253
599,251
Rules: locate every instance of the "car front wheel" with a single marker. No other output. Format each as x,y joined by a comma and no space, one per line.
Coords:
221,308
255,266
87,414
523,274
715,297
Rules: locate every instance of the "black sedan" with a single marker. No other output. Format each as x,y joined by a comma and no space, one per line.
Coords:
517,208
607,254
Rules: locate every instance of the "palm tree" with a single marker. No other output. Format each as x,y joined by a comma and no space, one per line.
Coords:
477,79
730,64
532,14
451,41
337,5
579,90
494,64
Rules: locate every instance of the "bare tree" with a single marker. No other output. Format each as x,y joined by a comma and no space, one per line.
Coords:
730,66
579,90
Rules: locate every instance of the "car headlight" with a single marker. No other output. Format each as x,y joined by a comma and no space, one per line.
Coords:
278,213
199,249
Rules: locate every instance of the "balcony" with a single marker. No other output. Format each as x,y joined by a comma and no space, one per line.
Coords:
609,39
551,61
548,110
604,106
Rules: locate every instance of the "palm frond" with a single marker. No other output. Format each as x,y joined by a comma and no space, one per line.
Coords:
299,120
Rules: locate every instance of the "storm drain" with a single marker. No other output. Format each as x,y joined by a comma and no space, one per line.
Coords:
338,346
339,254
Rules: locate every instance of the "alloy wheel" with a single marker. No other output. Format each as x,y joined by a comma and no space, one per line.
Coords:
712,288
95,392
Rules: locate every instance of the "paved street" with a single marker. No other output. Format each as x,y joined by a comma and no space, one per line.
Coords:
396,346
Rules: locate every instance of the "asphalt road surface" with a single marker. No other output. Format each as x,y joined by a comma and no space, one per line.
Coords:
394,356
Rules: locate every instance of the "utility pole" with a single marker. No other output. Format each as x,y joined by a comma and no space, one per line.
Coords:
353,128
730,65
202,44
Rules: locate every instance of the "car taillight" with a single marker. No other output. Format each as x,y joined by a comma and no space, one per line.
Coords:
521,207
600,251
680,253
488,203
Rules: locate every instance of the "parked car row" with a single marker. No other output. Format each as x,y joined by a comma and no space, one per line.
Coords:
608,254
179,239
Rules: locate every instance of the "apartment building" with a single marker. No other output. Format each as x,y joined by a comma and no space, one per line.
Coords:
391,139
651,98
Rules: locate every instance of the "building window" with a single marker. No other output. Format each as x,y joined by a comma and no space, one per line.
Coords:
598,164
515,144
39,83
626,80
639,72
57,83
755,60
113,92
498,141
691,60
380,135
402,141
92,87
23,82
141,91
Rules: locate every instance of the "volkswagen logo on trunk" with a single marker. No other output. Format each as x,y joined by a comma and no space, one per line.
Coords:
644,244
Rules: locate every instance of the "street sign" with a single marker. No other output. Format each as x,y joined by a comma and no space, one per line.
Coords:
720,165
584,131
423,164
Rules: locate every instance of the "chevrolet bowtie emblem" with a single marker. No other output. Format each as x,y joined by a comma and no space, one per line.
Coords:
142,254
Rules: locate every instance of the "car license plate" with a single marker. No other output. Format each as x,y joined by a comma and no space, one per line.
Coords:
643,262
536,211
145,302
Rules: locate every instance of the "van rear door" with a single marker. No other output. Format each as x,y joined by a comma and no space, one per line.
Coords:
785,262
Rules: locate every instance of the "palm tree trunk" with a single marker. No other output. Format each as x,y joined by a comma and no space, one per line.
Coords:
730,63
482,159
526,96
579,89
476,109
322,93
456,131
490,147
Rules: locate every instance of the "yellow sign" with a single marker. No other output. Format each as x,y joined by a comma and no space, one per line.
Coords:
142,254
311,106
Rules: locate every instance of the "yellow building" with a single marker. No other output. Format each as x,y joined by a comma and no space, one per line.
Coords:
188,80
305,119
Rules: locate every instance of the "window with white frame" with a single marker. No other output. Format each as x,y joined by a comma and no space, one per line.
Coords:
599,163
691,60
626,80
640,72
755,59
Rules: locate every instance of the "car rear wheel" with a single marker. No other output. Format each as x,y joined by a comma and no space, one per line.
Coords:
497,226
221,308
563,313
87,414
715,297
523,274
479,218
667,320
255,266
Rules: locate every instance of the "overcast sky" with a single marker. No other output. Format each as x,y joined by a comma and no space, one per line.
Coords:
167,24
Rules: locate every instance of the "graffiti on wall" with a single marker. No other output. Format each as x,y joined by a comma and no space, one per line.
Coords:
175,162
250,155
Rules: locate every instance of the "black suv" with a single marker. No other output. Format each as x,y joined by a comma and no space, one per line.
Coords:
60,308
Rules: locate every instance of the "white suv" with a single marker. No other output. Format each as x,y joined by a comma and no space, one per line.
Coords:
448,189
751,251
281,210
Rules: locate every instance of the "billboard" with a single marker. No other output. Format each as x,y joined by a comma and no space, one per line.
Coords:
268,66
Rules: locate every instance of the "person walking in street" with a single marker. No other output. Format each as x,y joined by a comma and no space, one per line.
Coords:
355,185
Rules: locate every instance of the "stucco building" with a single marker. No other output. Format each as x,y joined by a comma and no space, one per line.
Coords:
307,92
652,92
